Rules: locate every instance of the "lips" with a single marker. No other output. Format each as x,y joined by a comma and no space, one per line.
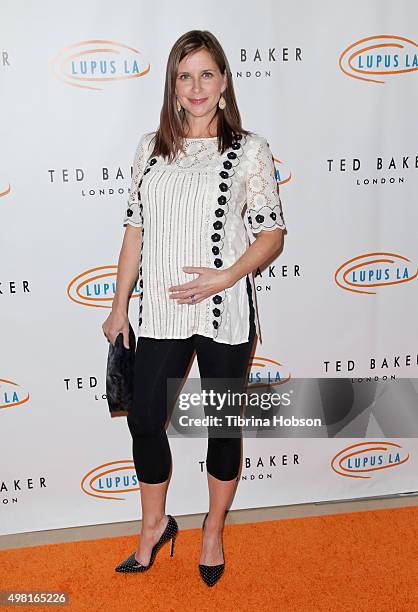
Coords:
197,100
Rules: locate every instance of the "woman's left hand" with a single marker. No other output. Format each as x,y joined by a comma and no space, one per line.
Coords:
209,282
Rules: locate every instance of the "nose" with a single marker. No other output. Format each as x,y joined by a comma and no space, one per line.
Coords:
196,87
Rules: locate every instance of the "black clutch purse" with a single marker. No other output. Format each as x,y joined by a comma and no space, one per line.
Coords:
120,373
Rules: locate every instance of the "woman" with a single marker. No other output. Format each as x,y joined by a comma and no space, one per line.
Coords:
185,232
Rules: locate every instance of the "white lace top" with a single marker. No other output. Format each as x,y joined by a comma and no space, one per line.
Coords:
191,214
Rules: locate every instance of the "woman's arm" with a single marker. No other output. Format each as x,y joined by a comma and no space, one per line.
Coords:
266,247
128,263
264,213
128,269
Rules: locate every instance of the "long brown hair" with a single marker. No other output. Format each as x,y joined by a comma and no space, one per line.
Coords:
170,133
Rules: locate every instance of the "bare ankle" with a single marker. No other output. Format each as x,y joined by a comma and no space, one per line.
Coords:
215,522
152,523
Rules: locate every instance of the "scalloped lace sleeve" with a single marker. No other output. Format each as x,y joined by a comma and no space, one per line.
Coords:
264,208
132,214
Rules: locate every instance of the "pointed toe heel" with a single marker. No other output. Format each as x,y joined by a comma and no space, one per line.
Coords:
131,565
173,540
210,574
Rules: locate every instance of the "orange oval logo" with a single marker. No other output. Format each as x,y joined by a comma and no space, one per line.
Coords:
363,273
96,287
12,394
5,192
379,56
113,480
91,64
360,460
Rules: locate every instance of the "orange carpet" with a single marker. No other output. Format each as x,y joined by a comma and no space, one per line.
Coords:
363,561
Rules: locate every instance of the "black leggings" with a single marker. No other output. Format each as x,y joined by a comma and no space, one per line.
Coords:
159,359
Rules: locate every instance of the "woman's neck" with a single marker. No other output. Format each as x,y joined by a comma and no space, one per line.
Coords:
200,132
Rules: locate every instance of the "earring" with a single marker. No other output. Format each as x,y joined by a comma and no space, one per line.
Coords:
179,107
222,102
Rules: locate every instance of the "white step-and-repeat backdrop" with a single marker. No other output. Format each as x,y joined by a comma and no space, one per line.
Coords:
333,87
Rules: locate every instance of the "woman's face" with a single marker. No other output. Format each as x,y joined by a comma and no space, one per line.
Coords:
199,83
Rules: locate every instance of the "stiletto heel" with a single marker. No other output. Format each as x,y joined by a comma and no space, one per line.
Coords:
172,546
170,533
211,573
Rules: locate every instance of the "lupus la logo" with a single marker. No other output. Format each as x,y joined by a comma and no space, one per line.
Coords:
96,287
113,480
366,272
363,459
379,56
264,371
5,192
12,394
283,174
92,64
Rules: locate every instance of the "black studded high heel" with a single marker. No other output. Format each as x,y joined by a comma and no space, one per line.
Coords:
211,573
170,533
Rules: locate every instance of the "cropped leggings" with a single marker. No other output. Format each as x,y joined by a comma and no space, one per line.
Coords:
159,359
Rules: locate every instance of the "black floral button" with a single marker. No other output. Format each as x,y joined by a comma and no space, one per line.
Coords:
140,183
216,312
259,218
219,212
216,237
238,136
218,262
215,250
250,220
129,212
153,161
231,155
222,200
224,174
217,299
223,187
141,283
215,324
236,146
140,320
147,170
217,225
273,216
227,164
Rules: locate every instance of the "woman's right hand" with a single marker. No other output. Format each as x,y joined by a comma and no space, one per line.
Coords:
115,323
